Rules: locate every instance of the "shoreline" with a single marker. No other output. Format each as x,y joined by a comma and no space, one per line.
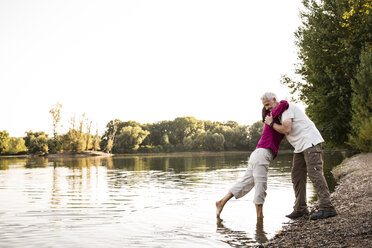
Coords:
88,154
103,154
352,199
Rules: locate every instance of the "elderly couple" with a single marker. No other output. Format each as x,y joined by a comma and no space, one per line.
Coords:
285,120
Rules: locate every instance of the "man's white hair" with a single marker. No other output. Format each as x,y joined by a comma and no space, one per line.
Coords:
269,96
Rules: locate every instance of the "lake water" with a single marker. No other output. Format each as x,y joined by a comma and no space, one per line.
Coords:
140,201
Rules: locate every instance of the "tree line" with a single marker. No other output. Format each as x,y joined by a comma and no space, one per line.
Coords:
178,135
335,53
77,139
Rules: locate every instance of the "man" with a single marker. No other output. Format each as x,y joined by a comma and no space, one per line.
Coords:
302,134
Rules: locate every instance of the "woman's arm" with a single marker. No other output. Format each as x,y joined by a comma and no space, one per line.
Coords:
285,128
282,106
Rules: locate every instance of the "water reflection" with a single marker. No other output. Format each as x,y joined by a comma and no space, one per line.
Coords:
233,238
260,234
241,238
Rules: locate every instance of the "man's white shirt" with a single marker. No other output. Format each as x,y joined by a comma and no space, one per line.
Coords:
303,133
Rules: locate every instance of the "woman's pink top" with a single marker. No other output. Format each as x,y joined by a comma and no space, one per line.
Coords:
271,138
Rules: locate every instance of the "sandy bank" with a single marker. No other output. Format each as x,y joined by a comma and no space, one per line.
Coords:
352,227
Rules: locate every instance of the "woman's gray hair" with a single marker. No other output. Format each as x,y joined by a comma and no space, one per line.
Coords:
269,96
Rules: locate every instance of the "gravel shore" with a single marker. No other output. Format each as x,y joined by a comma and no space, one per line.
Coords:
352,199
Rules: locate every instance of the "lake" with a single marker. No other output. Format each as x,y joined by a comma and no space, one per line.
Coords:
140,201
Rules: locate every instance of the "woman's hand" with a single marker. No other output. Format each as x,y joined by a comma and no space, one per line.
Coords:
268,120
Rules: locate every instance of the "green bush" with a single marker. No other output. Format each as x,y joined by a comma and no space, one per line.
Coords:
16,146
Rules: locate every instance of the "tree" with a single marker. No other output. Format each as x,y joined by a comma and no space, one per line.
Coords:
361,136
75,139
111,135
96,141
36,142
129,139
199,138
31,134
211,126
182,127
330,41
4,136
55,144
157,131
232,124
88,127
254,134
241,134
235,137
15,146
55,111
214,142
188,143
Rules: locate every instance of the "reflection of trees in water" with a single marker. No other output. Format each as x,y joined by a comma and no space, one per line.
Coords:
5,162
183,169
73,163
331,160
282,163
184,163
37,162
75,181
240,238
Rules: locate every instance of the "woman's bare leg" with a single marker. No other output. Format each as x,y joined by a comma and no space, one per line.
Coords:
259,210
221,203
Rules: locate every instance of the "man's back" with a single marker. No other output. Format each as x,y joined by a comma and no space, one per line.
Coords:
303,133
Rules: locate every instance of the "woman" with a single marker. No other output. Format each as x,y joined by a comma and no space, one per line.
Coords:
266,150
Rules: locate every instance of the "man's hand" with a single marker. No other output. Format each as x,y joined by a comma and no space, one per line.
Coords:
268,120
285,128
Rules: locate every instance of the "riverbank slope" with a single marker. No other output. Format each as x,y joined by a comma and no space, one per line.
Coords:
352,227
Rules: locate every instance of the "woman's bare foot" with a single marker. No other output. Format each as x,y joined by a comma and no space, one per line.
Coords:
221,203
219,207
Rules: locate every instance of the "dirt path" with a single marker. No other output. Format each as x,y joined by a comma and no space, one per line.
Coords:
352,227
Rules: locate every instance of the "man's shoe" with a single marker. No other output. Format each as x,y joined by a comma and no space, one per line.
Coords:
322,214
297,214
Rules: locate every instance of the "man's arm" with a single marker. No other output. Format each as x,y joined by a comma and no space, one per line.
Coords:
285,128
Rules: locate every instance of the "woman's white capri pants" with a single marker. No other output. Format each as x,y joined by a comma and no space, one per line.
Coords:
255,176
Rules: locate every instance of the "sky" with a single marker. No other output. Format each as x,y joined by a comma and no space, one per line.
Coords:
146,61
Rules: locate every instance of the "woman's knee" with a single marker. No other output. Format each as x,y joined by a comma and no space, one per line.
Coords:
259,197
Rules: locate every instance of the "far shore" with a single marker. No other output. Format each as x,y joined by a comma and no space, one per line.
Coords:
87,154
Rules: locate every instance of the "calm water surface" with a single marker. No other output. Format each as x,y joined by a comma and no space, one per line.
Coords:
139,201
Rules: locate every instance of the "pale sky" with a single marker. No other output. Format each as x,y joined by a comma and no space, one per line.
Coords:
146,61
